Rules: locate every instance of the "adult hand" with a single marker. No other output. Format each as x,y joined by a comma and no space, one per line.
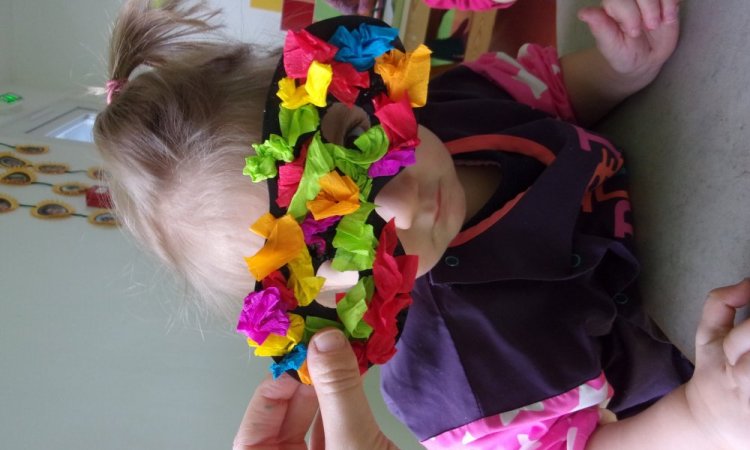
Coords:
636,37
281,412
718,395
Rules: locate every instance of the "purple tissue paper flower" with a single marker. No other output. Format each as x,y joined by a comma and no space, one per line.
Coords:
392,162
311,228
263,313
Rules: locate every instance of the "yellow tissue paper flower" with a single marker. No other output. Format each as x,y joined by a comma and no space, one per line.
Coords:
406,73
302,278
338,196
314,90
319,77
292,97
276,345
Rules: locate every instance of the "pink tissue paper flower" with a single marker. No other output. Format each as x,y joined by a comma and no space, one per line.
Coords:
263,313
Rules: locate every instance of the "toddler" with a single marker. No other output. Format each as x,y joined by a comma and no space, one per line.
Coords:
504,224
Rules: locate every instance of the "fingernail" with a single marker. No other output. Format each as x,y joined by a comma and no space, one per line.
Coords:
329,341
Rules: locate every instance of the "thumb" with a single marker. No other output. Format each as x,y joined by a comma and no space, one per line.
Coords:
347,419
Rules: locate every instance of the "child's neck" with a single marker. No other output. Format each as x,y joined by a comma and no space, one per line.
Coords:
480,182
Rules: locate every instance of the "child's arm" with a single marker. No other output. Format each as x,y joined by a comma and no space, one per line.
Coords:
634,39
711,411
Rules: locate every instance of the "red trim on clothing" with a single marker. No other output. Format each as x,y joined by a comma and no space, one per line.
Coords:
498,142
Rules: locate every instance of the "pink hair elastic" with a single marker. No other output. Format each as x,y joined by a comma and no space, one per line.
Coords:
113,87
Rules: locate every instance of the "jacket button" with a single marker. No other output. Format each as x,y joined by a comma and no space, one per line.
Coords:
575,260
451,261
620,298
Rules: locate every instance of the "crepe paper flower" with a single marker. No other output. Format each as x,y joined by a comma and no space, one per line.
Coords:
289,178
304,374
392,274
311,228
406,73
392,162
291,361
284,242
276,345
360,351
394,280
355,241
382,316
262,165
347,82
277,280
302,278
361,46
291,95
398,121
290,175
353,306
263,313
301,48
318,163
313,324
338,196
297,122
371,146
318,79
313,91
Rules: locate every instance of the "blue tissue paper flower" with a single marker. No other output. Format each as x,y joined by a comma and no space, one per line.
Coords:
292,360
361,46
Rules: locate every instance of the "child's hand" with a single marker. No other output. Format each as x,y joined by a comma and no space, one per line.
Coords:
719,393
636,37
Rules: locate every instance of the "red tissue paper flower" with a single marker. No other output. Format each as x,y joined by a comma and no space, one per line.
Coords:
263,313
394,278
302,48
290,175
277,280
360,351
398,121
347,82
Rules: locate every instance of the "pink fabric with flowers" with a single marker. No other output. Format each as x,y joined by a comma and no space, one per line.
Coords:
563,422
533,78
469,5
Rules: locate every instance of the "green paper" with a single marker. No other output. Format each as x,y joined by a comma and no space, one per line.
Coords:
296,122
353,306
319,162
262,165
314,324
355,241
372,145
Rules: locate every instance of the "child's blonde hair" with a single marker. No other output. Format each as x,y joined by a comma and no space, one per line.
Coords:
174,140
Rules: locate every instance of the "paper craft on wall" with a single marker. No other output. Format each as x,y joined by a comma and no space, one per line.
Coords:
268,5
55,209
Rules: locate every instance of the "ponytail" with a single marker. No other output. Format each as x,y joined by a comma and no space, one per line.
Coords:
152,36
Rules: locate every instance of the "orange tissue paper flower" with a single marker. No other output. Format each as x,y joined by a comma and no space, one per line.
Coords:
284,242
338,196
406,72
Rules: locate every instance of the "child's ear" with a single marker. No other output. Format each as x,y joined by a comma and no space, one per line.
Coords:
336,282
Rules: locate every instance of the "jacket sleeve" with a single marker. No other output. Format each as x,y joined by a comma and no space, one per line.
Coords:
563,422
533,78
